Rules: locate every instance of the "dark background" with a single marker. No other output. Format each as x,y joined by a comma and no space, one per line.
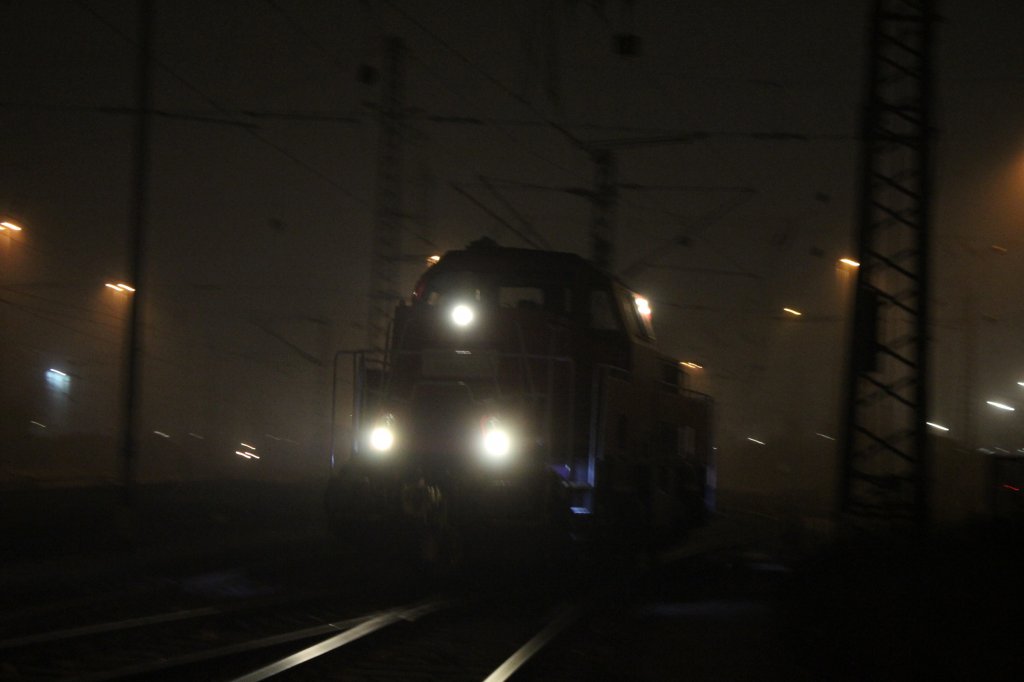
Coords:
262,181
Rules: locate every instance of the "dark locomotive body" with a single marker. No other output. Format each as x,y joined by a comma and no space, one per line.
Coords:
522,389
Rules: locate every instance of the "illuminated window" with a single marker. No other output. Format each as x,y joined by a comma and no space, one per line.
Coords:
641,314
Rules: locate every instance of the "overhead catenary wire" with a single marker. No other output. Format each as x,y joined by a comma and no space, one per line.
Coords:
363,202
433,35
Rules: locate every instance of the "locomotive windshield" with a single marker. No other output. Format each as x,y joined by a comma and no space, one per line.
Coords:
520,291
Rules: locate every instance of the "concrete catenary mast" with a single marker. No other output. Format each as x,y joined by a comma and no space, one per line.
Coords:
386,248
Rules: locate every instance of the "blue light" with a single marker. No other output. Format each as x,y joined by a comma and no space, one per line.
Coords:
580,510
57,380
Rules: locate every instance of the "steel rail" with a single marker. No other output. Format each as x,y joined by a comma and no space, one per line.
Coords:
107,627
565,617
367,627
359,625
166,664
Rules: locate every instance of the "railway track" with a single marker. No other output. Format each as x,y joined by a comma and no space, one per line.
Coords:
430,639
482,631
161,642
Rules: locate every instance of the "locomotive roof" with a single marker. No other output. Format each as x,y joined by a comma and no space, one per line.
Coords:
486,255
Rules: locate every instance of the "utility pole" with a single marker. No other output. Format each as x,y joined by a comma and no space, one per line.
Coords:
386,251
605,194
140,189
885,450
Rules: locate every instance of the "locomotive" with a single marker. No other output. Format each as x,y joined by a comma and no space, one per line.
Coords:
522,389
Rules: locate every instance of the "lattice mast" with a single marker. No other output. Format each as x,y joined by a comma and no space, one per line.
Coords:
884,472
386,248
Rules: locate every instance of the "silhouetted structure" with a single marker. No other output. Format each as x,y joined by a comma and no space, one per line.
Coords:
388,209
885,449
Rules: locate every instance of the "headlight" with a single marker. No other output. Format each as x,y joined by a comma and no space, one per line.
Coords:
382,437
497,443
462,315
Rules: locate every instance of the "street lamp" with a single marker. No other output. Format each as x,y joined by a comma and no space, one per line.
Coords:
8,225
120,286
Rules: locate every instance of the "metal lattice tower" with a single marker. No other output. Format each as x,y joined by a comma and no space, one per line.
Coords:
386,253
885,449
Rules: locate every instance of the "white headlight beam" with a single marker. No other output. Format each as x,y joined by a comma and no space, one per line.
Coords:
497,444
382,439
462,315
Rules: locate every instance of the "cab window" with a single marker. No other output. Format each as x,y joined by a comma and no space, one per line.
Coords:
602,311
521,297
453,286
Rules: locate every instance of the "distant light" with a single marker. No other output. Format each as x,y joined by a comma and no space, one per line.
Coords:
1020,383
196,435
1011,487
433,260
691,365
824,436
282,439
161,434
35,423
463,352
998,249
791,311
58,380
120,286
7,225
940,427
247,455
643,306
246,445
849,261
754,440
1001,406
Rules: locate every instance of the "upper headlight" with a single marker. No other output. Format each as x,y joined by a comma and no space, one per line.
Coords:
382,438
462,315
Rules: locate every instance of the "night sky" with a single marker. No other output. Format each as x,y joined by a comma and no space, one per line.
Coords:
262,187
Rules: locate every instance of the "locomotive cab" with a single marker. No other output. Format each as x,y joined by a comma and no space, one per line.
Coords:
522,388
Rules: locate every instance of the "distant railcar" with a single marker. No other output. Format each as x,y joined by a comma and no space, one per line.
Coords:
522,388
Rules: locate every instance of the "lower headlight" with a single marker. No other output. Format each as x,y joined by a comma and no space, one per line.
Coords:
497,444
462,315
382,438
